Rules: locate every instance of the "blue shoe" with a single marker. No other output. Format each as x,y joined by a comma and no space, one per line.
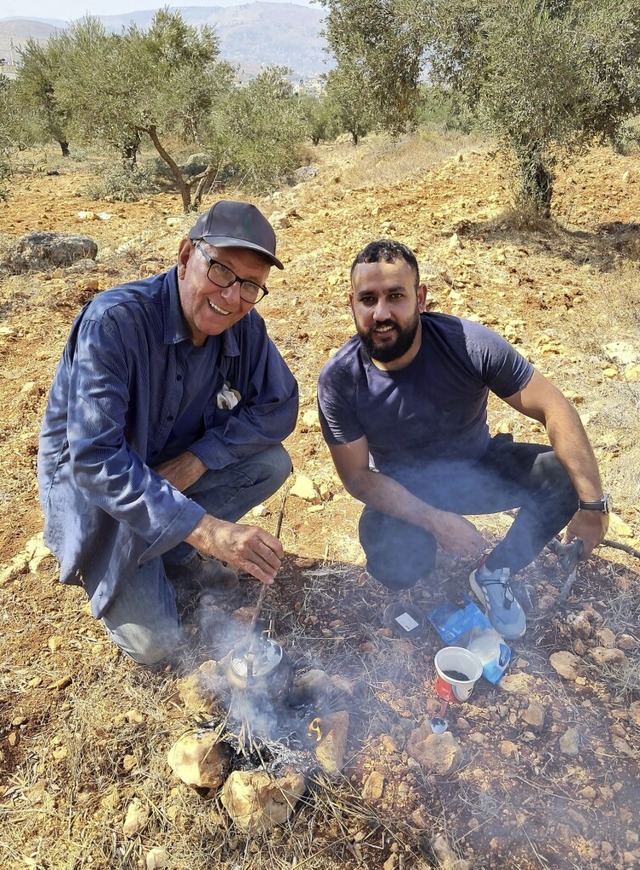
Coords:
494,591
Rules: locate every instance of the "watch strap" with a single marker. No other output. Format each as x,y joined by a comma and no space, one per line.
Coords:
601,505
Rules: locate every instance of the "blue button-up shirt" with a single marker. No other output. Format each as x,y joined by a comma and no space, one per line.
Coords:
124,397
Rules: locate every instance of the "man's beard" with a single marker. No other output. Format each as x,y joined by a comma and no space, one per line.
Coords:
393,350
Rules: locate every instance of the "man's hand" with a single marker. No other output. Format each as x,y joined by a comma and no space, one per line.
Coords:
182,471
590,527
247,548
456,534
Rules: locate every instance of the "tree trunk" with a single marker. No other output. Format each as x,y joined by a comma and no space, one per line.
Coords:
536,180
130,151
204,183
64,147
183,187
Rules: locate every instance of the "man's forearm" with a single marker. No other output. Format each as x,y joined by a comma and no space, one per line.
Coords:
571,445
382,493
542,401
245,435
454,533
182,471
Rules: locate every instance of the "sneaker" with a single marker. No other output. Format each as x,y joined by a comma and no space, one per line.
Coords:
494,591
204,572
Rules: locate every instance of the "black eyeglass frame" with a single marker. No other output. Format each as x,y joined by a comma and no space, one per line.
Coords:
242,281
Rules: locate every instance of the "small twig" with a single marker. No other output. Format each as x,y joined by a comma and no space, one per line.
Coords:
258,608
281,515
263,590
331,845
624,547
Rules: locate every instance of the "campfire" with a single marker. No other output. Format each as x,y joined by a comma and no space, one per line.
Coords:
264,731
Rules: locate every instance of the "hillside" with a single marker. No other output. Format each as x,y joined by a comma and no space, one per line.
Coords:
253,34
14,32
546,774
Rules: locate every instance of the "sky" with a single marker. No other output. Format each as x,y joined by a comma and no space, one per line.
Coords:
68,10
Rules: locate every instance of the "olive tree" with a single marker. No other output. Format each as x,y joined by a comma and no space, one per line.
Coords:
162,83
42,118
259,131
546,78
322,117
378,46
7,131
356,114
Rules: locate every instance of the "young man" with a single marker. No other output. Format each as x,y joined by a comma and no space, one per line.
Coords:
403,408
164,426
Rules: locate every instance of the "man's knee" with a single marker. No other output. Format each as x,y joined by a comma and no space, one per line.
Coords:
556,481
274,464
398,554
144,645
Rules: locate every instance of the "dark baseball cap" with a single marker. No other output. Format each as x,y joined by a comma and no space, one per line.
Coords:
230,224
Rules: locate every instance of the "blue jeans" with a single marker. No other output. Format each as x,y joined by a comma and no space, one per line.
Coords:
143,620
509,475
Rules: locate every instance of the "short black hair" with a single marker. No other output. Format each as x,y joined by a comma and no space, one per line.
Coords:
389,251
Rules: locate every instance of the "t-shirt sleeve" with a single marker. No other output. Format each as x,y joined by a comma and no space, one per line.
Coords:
337,404
503,369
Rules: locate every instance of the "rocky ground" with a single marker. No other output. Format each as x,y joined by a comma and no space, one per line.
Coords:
538,771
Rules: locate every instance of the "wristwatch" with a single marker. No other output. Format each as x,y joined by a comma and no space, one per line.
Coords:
603,505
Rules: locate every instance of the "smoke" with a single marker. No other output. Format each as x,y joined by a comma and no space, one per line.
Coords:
258,711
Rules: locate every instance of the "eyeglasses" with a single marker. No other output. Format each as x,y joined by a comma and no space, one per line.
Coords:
223,278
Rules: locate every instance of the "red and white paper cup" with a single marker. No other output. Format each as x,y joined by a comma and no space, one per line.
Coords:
457,671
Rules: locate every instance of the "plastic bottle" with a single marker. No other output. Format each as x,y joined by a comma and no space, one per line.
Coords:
493,652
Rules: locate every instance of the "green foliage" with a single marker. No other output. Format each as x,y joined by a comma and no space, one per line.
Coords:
7,131
322,117
258,131
42,118
441,107
182,76
162,83
609,44
167,84
379,46
88,60
545,78
627,140
124,184
356,114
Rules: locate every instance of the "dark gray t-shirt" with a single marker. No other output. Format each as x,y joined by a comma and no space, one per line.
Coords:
435,408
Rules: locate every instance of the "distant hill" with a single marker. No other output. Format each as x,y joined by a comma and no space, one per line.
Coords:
15,31
252,35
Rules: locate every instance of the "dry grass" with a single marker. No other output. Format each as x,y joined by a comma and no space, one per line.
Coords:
378,160
120,721
84,731
623,617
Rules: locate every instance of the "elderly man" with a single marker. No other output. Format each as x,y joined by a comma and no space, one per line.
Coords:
164,426
403,408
